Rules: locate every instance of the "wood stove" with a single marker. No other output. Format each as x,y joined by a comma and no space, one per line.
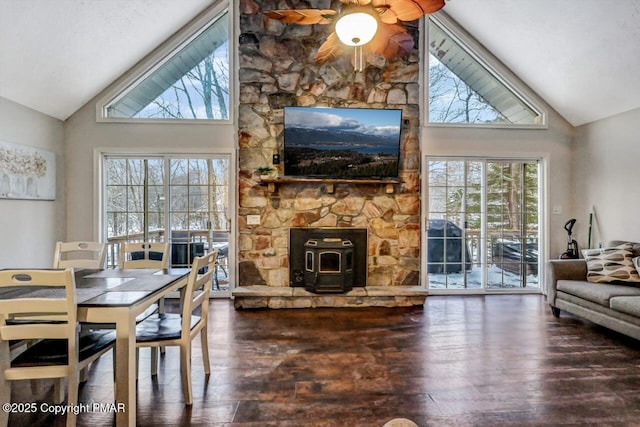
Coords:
328,265
355,254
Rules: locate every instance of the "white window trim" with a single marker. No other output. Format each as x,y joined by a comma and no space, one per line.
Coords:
486,59
160,55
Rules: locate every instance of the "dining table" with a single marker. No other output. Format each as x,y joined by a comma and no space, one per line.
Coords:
111,298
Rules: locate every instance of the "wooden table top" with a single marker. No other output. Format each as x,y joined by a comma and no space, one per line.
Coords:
107,287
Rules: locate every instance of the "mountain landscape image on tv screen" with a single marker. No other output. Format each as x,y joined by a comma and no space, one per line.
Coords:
341,142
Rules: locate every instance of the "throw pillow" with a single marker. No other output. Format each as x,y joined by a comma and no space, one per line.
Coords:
614,264
635,246
636,264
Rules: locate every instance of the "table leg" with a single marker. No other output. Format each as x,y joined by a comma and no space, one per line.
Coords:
126,368
5,386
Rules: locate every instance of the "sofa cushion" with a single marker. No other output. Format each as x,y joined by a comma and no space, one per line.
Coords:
628,305
606,265
599,293
581,307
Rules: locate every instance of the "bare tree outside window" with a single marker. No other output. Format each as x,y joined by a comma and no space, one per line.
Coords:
465,89
451,100
202,93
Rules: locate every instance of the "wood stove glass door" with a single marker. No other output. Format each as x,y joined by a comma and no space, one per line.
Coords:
329,262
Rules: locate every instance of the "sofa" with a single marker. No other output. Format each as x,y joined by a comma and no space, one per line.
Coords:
578,286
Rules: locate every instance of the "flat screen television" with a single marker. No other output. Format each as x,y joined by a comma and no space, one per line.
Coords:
342,143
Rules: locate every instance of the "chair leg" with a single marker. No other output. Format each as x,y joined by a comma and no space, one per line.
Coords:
205,350
72,396
185,371
215,276
58,390
84,374
154,361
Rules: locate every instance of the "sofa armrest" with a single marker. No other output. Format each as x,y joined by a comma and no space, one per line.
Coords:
564,269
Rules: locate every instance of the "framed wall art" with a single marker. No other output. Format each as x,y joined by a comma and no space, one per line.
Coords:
27,172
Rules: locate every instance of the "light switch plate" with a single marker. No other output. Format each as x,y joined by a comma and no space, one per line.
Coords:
253,219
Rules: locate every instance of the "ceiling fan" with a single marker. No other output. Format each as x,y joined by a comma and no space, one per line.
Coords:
374,23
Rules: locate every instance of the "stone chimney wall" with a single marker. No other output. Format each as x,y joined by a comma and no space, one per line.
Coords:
277,70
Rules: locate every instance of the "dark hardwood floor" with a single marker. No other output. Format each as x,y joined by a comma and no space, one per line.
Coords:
500,360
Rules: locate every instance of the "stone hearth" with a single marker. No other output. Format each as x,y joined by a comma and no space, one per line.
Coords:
370,296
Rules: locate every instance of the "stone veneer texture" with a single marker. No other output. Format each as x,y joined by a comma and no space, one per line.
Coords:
277,70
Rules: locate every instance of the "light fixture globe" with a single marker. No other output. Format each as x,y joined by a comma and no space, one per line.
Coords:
356,29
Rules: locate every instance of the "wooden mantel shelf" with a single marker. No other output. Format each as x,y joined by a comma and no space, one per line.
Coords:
273,183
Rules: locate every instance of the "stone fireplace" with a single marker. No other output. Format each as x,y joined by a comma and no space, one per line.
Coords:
277,70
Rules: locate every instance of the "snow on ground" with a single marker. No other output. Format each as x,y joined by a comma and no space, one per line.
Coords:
497,278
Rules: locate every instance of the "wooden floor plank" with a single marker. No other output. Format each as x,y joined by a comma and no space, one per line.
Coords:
499,360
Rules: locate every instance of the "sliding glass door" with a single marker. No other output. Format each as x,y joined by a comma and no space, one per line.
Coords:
175,199
483,224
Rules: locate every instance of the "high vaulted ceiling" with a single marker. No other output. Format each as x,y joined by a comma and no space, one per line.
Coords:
55,55
581,56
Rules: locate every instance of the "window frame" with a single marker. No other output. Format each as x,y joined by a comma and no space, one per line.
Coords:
100,204
161,55
542,160
505,76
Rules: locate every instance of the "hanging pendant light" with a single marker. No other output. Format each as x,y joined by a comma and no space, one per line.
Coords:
356,28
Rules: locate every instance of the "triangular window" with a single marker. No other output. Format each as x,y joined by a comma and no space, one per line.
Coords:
464,89
192,82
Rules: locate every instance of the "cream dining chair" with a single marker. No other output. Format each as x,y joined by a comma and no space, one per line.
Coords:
80,255
59,351
172,329
144,255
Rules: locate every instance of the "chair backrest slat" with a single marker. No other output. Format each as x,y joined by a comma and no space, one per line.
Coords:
25,306
34,331
80,255
144,255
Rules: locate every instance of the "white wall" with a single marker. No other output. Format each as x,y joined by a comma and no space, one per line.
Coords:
607,177
30,228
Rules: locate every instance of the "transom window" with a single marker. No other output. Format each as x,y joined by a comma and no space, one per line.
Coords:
190,83
463,89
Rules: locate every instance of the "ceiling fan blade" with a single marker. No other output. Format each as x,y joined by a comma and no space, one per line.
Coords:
329,50
391,41
358,2
405,10
302,16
